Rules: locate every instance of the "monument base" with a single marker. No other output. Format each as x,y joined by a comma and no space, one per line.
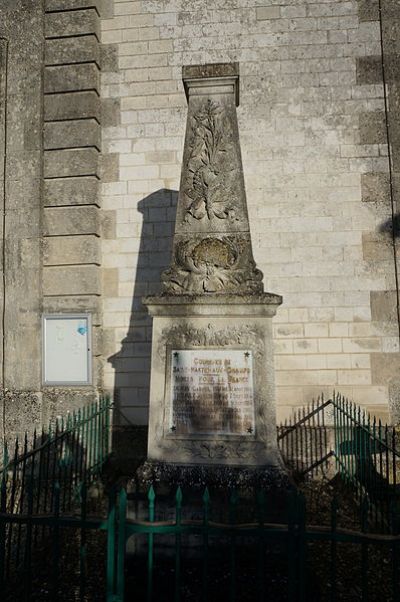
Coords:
212,380
165,477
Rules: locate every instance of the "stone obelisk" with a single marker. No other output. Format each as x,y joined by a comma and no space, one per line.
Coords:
212,372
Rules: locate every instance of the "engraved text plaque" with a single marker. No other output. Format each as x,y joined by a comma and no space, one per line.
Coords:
212,392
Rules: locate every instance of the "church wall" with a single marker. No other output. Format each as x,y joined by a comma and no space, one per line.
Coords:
313,132
21,49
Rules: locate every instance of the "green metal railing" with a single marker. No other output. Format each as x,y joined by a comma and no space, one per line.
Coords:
70,452
366,452
242,561
47,478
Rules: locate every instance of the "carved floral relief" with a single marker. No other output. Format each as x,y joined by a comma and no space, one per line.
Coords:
211,265
211,167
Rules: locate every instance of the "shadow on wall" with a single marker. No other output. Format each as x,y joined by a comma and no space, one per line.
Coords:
132,362
391,226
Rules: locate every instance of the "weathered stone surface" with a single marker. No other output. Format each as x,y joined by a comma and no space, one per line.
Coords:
369,70
21,51
72,23
108,224
72,134
60,5
212,248
256,447
72,105
81,49
375,188
384,306
110,168
74,304
110,282
58,401
385,367
59,221
373,128
391,27
213,320
74,280
109,57
368,10
69,78
110,112
59,250
22,413
74,162
71,191
377,247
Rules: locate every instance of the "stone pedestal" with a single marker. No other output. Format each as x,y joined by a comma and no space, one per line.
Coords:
212,380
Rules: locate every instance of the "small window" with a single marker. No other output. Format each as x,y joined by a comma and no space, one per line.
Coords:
67,349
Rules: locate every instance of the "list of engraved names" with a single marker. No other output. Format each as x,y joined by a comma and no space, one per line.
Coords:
212,392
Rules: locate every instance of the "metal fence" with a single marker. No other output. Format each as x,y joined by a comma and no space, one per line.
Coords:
46,479
365,451
203,558
70,452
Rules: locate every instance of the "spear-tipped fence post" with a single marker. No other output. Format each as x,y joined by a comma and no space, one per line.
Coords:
334,511
261,502
364,550
56,538
3,522
178,539
206,512
123,499
233,502
111,548
151,496
82,546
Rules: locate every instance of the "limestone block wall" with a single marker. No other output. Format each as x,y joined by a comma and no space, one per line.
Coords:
72,169
314,127
21,49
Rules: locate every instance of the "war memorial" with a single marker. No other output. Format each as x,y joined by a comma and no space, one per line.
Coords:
199,300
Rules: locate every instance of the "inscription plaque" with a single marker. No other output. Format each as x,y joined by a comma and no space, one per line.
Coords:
212,392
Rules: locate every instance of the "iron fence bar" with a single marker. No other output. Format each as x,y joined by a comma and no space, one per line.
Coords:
178,518
21,500
260,501
301,421
52,440
121,544
301,548
3,527
291,548
150,545
28,545
111,548
206,510
334,511
56,540
82,546
232,556
364,553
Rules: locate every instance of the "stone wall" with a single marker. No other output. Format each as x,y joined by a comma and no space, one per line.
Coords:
21,49
50,167
313,132
72,170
